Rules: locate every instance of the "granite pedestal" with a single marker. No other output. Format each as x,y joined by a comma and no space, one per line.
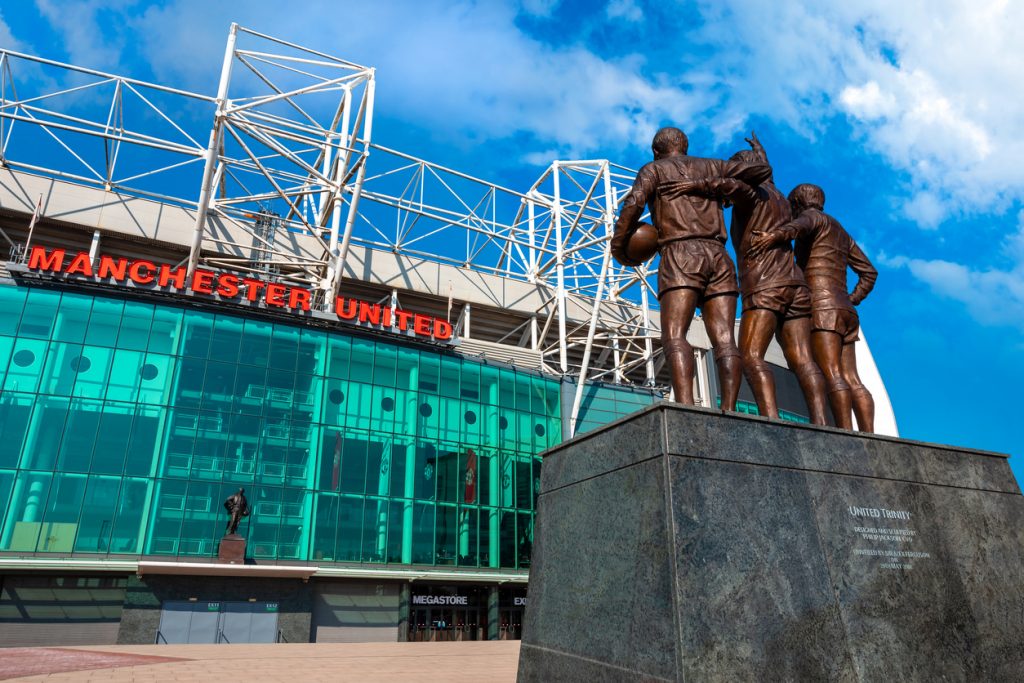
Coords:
231,549
690,544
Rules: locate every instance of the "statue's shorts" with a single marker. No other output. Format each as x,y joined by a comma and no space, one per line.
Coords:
700,264
789,301
844,322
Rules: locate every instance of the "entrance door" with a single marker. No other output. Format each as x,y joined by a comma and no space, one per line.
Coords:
188,622
217,622
248,622
511,624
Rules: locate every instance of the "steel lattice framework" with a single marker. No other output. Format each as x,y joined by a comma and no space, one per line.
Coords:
284,186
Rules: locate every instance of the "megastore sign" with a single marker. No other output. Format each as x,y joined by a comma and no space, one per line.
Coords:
226,286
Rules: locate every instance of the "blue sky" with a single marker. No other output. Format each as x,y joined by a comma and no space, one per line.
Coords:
907,113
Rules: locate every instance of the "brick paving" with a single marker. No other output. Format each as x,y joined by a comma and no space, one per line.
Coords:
17,662
469,662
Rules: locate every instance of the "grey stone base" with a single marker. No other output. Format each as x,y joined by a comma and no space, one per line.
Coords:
687,544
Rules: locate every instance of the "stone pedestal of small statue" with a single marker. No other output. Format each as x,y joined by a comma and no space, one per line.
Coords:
231,550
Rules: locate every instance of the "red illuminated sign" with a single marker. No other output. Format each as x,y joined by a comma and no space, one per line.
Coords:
233,286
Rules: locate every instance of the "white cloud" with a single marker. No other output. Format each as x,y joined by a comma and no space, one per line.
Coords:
465,68
78,24
7,39
930,86
991,295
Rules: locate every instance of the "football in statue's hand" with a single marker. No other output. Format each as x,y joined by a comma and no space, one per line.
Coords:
643,244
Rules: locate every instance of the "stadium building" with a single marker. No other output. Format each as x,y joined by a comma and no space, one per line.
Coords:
376,348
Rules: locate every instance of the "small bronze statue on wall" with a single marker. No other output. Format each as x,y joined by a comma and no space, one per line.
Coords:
695,271
238,507
824,250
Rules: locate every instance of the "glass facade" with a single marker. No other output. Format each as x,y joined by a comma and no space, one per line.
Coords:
125,424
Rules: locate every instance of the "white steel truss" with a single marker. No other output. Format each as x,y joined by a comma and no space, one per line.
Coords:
283,187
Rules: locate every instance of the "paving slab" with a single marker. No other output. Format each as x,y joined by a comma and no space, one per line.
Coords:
468,662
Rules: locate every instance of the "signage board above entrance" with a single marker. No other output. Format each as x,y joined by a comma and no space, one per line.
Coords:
226,286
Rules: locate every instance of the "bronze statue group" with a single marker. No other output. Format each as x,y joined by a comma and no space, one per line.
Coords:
792,257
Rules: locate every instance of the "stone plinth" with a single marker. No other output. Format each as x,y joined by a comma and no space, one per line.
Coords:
232,549
687,544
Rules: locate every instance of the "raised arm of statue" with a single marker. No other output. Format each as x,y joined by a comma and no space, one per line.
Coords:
757,147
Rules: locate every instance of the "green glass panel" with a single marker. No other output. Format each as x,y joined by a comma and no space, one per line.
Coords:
72,318
93,371
26,365
265,522
353,463
6,347
12,300
39,314
156,379
451,371
112,437
338,352
325,527
79,436
396,529
306,397
96,521
61,516
361,365
255,348
62,364
23,524
44,434
198,333
469,381
165,331
127,530
350,529
284,349
165,532
188,392
125,375
218,386
384,363
430,367
227,338
6,484
144,443
250,389
104,322
135,325
423,533
407,364
15,410
200,519
312,352
293,539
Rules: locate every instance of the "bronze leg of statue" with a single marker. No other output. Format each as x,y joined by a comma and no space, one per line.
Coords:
757,326
677,309
795,340
863,403
828,348
720,319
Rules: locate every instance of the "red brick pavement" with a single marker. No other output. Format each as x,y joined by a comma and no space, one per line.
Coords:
16,662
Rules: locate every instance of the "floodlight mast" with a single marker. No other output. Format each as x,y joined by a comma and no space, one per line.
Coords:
210,164
306,169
